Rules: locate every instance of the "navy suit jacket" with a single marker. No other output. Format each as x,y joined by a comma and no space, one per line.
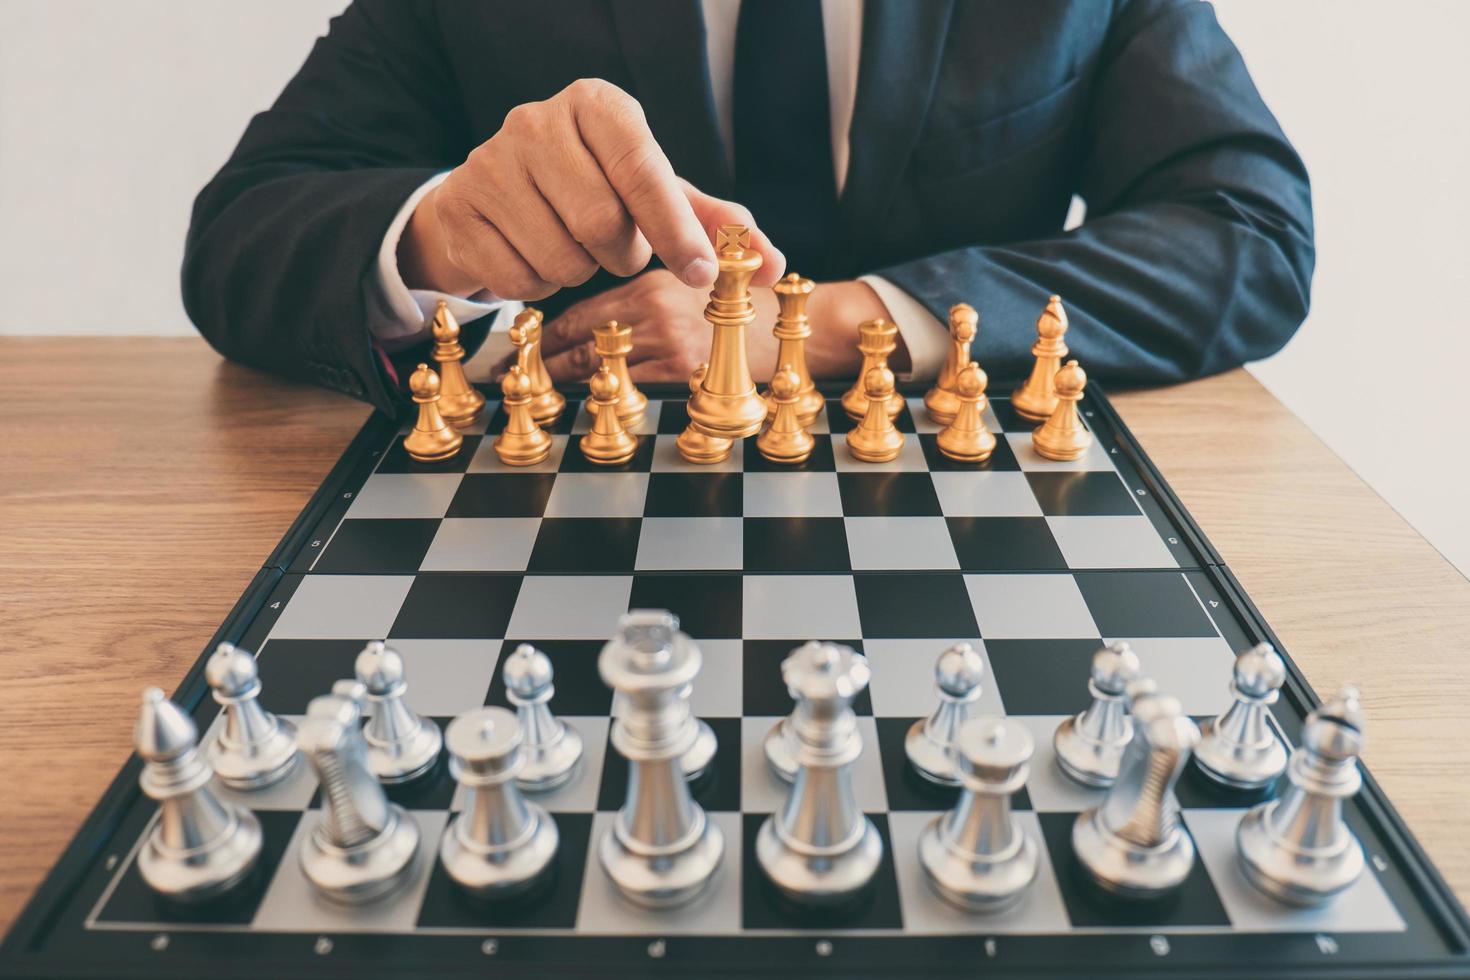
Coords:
976,121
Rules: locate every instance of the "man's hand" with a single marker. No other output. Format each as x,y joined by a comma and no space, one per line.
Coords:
567,185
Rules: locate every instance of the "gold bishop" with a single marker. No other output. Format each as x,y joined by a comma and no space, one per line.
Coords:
432,439
1037,398
1062,436
940,401
459,402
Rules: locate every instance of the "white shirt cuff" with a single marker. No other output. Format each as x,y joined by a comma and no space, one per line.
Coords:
403,319
925,337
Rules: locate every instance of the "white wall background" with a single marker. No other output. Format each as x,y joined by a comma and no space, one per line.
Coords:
114,112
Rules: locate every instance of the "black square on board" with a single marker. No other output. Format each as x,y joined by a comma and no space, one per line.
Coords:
1001,457
796,544
1133,603
397,460
888,495
716,789
673,418
1095,493
573,461
585,545
763,907
292,672
1010,420
899,605
381,546
709,607
502,495
763,693
906,789
820,461
1042,677
457,605
1000,544
579,689
694,495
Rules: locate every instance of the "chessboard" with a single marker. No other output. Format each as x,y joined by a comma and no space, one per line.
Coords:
1034,562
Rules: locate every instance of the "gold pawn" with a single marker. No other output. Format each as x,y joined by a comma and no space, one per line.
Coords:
785,440
1037,398
726,404
459,402
1062,436
695,446
966,438
940,401
608,443
792,330
522,442
876,339
614,342
431,440
547,403
876,439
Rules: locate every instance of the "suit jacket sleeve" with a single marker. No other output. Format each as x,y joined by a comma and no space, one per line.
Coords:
1196,254
278,265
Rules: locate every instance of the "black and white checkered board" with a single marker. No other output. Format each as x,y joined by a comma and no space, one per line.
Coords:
1035,562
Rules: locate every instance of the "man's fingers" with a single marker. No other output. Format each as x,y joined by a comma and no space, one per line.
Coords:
574,185
475,245
574,324
713,212
575,364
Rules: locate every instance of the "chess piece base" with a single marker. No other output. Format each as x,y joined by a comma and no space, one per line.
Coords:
462,411
978,884
547,407
930,760
523,450
504,869
432,446
1127,870
258,764
352,876
202,873
830,876
1062,450
780,747
809,405
791,450
551,764
662,877
974,448
403,762
1238,766
1300,878
941,405
613,452
883,448
697,447
1085,760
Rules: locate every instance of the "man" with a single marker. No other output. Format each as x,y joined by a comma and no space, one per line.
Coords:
906,154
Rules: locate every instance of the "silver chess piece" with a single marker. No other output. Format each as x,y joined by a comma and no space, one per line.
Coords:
500,843
254,748
662,849
930,742
1297,848
1134,843
1238,749
200,846
976,856
1089,746
781,745
364,847
551,748
402,746
820,848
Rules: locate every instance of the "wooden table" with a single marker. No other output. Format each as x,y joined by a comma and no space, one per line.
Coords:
144,481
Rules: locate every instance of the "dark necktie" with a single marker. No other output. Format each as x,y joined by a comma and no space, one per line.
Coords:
783,132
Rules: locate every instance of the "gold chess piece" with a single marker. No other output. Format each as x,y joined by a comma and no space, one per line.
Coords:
608,443
694,445
547,403
876,439
792,330
966,438
785,439
726,404
522,442
1062,436
940,401
614,342
432,439
876,339
1037,398
459,402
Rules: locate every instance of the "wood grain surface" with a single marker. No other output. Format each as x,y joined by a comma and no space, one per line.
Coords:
144,481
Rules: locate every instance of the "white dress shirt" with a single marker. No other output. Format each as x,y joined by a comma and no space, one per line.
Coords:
406,310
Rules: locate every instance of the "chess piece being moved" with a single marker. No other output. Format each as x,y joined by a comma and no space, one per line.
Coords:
201,846
1062,436
254,748
876,339
522,442
547,403
614,342
695,446
976,856
459,402
876,439
940,401
1297,848
552,748
727,405
1239,749
792,331
402,746
930,743
501,843
967,438
1089,745
432,439
608,443
1036,399
784,440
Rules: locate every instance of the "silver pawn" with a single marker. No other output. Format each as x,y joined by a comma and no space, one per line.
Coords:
1297,848
820,848
662,849
201,846
1134,844
976,856
930,742
402,746
1089,746
551,748
254,748
1239,749
364,846
500,843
